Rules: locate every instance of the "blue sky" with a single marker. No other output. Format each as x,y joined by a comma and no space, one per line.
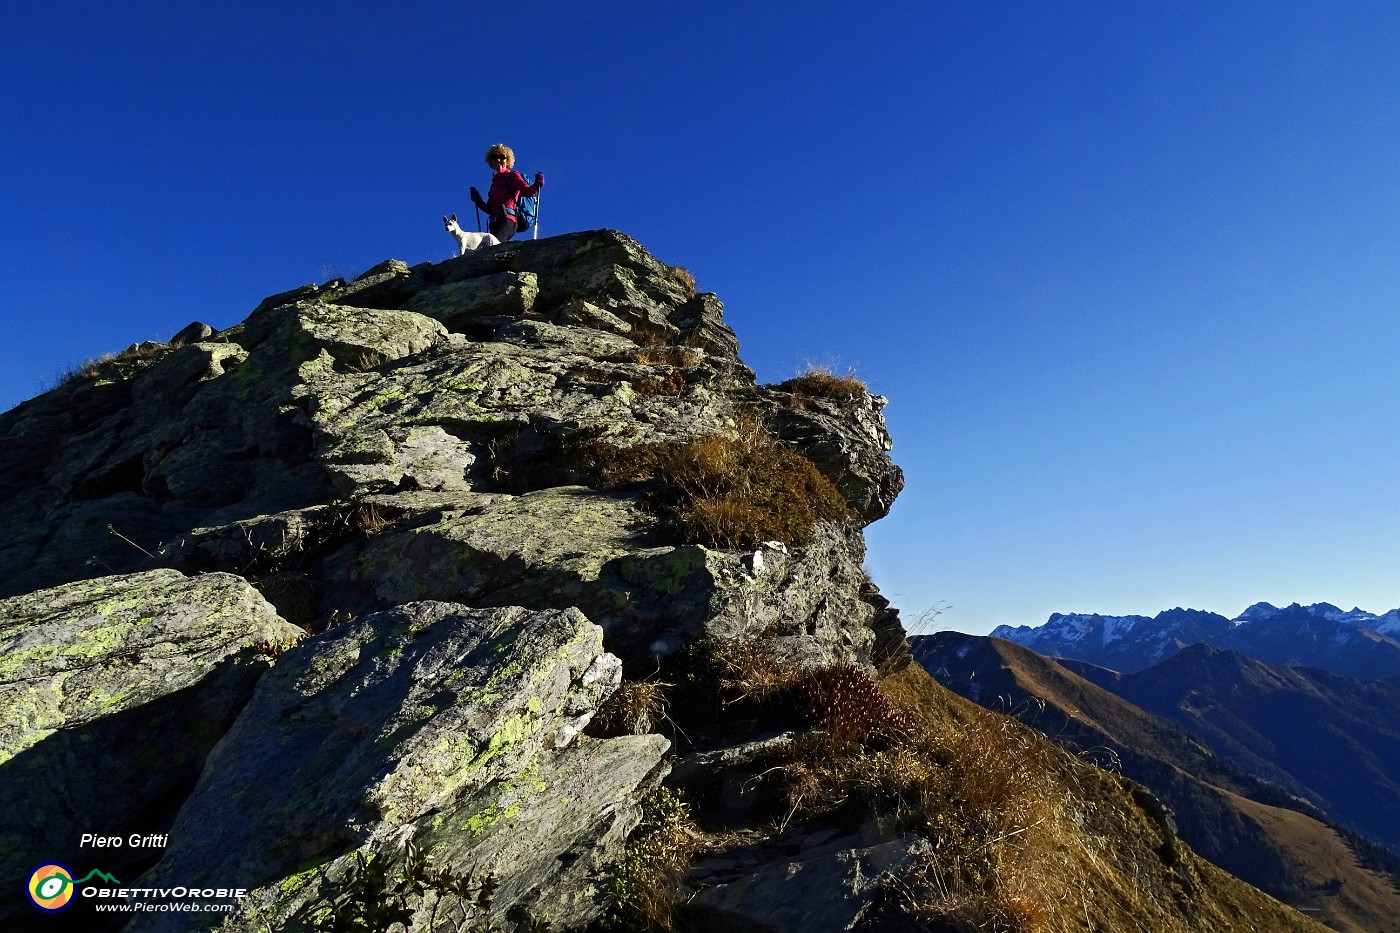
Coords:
1126,270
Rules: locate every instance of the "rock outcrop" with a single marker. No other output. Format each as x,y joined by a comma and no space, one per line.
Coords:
406,725
423,476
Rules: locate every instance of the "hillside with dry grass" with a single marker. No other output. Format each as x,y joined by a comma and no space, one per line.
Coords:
989,825
1244,825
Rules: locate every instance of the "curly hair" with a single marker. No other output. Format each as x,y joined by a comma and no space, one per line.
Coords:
498,150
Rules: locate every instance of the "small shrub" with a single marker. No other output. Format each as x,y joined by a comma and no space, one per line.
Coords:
848,705
820,382
381,892
728,491
660,852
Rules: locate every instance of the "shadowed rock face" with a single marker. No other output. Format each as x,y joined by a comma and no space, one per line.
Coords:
396,465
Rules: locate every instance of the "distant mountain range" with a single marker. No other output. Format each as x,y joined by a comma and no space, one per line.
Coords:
1273,773
1330,740
1351,643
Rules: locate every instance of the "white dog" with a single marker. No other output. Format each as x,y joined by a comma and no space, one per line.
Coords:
467,241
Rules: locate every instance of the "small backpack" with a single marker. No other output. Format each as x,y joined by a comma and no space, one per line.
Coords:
527,210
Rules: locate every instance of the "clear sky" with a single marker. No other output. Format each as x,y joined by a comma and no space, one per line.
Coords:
1127,271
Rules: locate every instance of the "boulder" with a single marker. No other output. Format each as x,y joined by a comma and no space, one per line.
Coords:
415,466
455,727
115,690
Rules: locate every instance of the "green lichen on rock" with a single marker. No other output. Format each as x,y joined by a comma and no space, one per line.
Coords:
387,722
93,648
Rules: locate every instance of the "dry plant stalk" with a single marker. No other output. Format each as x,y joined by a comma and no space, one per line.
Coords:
635,708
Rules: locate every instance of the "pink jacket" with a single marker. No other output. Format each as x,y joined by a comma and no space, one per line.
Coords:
506,190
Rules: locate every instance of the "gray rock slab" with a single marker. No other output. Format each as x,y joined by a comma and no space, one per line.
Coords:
114,691
425,716
824,890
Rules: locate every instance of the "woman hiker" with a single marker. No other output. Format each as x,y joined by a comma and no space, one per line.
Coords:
507,187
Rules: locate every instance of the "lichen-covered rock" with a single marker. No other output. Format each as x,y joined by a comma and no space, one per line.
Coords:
78,652
574,546
429,721
371,451
114,690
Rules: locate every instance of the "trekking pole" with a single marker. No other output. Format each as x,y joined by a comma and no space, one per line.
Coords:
538,199
478,220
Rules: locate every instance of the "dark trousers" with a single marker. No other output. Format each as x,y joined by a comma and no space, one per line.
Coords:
501,227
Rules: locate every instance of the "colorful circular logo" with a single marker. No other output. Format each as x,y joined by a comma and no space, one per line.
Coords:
51,887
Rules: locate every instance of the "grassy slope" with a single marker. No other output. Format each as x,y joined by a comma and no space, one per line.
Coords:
1100,858
1291,854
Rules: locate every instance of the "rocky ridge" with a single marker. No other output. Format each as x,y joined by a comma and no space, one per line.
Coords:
344,604
399,465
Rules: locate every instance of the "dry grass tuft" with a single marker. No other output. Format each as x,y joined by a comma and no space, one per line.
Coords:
652,336
671,384
684,276
635,708
728,491
820,382
683,357
368,520
116,365
748,671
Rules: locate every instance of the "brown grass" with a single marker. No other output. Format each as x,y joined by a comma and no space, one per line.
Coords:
820,382
660,852
683,357
635,708
368,520
652,336
670,384
683,276
722,490
1021,837
992,798
748,671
